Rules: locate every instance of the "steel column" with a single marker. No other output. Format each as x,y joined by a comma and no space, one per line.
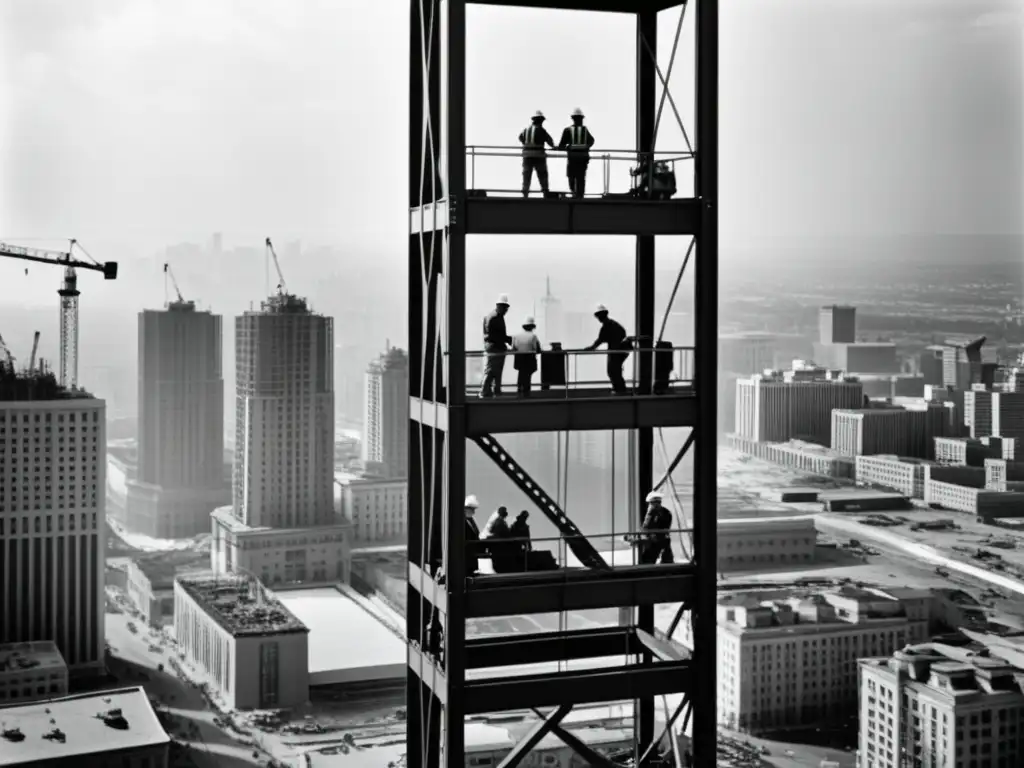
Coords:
705,501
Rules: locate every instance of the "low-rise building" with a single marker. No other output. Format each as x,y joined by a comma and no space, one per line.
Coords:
31,671
149,582
943,705
744,544
895,472
310,556
789,658
90,730
377,508
250,649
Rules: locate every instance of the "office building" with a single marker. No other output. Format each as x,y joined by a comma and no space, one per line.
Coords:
52,528
907,432
963,364
935,705
747,353
376,508
930,365
90,730
149,581
282,525
246,645
779,407
284,415
790,659
744,545
31,671
386,415
978,413
897,473
1007,414
837,324
180,471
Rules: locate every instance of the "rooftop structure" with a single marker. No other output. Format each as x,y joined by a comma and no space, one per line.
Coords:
17,386
162,567
89,724
20,657
240,605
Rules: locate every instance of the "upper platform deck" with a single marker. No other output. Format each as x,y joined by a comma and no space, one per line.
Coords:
621,198
606,6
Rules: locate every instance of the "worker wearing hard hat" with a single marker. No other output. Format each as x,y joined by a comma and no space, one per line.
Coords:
533,138
496,341
472,536
657,542
619,346
577,141
525,347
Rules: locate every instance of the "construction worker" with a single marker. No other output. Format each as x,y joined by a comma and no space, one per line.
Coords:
520,531
657,541
525,347
533,138
576,142
619,346
496,341
472,536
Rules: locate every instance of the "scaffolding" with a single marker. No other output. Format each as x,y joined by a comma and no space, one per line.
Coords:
448,673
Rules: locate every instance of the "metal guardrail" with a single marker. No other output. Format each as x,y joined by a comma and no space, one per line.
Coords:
565,371
622,171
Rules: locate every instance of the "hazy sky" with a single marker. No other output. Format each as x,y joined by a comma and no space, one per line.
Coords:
144,122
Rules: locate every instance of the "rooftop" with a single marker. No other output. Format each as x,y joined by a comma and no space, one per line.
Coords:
240,605
19,657
21,386
283,304
161,567
73,726
347,642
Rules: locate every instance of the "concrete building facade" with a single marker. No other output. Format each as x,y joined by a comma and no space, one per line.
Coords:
377,509
907,476
31,671
284,415
386,415
776,408
765,544
52,527
837,324
247,646
892,430
179,477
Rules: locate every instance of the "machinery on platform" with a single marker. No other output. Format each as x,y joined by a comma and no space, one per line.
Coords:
68,293
451,673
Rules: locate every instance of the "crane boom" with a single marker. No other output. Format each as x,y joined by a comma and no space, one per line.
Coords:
281,287
6,352
174,282
35,348
68,296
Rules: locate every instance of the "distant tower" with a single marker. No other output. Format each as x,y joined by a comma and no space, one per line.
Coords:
386,419
552,319
837,324
180,478
284,415
69,329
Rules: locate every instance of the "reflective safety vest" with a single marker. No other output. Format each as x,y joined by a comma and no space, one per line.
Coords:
533,144
579,136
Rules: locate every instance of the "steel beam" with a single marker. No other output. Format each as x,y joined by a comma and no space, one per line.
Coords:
579,590
426,670
600,6
429,217
511,650
590,755
534,736
677,408
590,216
590,686
661,649
428,413
428,588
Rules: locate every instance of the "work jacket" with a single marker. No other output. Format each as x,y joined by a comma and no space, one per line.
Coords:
494,329
533,138
526,345
577,141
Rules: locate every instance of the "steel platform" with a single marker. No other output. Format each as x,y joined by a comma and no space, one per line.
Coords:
589,216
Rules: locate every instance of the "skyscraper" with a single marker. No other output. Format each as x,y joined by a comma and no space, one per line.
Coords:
386,417
52,502
837,324
284,415
552,318
180,477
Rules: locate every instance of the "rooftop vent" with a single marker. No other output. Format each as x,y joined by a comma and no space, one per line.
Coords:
113,718
13,734
55,735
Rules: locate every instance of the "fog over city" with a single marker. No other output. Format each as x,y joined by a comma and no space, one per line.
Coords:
871,192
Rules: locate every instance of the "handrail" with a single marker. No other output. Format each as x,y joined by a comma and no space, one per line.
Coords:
625,535
679,154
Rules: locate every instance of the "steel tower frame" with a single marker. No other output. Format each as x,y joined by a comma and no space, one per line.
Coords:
441,599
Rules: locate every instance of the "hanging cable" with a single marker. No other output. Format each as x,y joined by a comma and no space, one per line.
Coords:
675,288
668,77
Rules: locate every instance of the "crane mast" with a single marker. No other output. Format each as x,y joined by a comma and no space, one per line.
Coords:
68,294
282,288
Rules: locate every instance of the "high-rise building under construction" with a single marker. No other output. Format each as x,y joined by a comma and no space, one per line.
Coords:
452,578
386,415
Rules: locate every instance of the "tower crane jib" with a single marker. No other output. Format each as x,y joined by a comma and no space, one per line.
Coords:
281,286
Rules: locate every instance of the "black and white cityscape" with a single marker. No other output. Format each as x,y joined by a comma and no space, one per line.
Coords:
297,473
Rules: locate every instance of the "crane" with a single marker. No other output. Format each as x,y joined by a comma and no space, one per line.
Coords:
174,284
7,356
35,348
272,254
68,296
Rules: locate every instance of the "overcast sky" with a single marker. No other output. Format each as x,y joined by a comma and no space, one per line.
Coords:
152,121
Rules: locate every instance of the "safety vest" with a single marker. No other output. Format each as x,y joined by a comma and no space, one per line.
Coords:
579,135
533,144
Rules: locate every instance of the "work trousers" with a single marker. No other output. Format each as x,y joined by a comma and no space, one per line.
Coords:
658,548
493,369
538,164
524,380
616,360
576,170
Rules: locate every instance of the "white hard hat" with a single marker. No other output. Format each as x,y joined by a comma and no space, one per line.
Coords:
577,112
503,299
539,114
528,321
654,496
471,502
600,308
